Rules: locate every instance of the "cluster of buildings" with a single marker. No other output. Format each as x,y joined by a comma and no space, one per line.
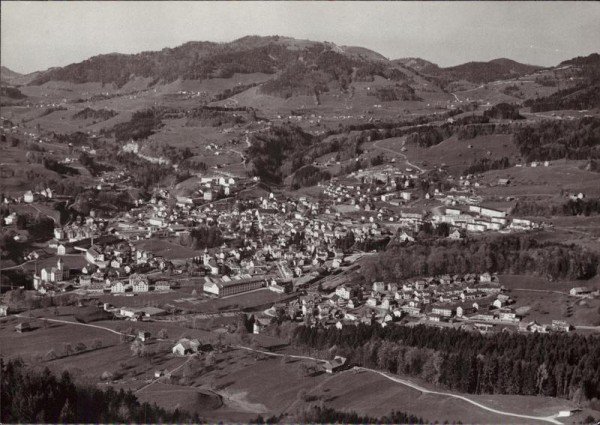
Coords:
477,218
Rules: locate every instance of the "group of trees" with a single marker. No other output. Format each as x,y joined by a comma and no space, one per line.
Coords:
141,125
556,365
214,117
504,111
204,237
396,92
59,167
511,254
271,150
487,164
30,396
550,140
309,175
315,414
95,114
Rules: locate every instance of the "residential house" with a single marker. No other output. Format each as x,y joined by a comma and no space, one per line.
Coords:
117,287
186,346
443,311
139,283
344,292
335,365
561,326
579,291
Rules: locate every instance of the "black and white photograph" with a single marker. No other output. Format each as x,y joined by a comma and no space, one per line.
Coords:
300,212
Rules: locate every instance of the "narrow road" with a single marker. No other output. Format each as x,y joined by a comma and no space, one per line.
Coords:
550,419
540,290
421,170
154,381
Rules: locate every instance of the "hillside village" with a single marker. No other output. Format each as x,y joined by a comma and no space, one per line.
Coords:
274,207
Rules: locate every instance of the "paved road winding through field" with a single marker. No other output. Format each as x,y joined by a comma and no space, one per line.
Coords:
550,419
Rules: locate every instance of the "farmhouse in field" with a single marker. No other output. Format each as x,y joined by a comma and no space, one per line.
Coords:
335,365
579,291
186,346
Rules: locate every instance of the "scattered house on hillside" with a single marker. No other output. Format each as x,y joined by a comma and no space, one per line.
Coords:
335,365
161,373
579,291
186,346
3,310
503,182
23,327
144,336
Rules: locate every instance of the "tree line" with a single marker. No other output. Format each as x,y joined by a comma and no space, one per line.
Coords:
487,164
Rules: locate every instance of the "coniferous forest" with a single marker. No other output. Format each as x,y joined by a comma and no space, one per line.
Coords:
556,365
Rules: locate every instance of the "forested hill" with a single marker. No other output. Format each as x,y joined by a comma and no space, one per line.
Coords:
297,66
476,72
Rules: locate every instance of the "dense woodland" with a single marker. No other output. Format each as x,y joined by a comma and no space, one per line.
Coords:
578,98
487,164
214,117
550,140
555,365
511,254
398,91
30,396
586,207
309,175
141,125
95,114
270,150
504,111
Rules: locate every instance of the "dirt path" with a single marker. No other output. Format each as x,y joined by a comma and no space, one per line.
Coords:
74,323
550,419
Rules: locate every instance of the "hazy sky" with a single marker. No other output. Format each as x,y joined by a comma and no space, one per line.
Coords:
39,35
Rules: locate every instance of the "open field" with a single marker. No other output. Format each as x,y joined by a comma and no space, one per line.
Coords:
255,384
566,175
541,300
